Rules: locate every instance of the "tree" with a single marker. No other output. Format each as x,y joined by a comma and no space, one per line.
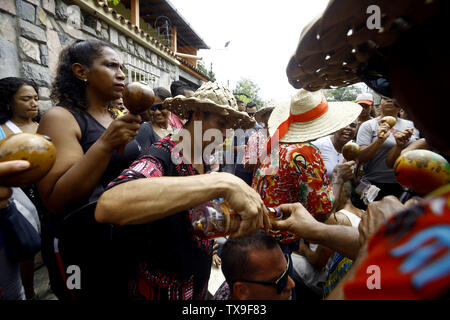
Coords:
210,74
248,91
202,68
342,94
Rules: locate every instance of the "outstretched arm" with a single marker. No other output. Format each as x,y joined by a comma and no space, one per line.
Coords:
149,199
341,239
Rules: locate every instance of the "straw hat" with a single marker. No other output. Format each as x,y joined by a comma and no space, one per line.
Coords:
211,97
263,112
310,117
336,49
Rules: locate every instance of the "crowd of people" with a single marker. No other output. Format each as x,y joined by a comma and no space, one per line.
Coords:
117,203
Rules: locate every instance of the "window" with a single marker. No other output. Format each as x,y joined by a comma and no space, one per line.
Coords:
139,70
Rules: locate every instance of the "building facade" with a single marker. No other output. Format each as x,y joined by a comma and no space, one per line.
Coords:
156,43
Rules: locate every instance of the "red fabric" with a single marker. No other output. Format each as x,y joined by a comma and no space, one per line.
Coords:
175,122
429,231
299,176
310,115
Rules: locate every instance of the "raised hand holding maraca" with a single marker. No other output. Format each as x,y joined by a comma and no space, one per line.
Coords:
384,126
137,98
120,132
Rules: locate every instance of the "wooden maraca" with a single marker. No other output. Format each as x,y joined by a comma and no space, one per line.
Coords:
37,149
350,151
137,98
422,170
391,121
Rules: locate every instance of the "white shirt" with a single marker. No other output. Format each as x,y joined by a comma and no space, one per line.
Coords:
330,156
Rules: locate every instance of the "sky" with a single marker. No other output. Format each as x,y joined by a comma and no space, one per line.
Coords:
263,35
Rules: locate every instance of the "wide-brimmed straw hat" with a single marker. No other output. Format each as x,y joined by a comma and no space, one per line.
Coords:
344,46
263,112
211,97
309,116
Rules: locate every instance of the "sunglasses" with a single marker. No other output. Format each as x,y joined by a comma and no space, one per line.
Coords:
160,107
251,114
280,283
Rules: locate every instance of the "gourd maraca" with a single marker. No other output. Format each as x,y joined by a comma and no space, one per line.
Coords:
38,150
391,121
350,151
422,170
137,98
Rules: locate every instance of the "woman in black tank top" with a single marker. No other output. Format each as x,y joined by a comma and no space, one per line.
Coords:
86,137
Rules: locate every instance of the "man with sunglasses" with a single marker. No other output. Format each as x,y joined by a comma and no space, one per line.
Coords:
255,268
251,109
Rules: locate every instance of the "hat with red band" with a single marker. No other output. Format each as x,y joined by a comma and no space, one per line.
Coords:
310,117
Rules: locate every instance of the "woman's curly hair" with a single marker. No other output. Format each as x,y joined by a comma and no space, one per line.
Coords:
8,88
67,90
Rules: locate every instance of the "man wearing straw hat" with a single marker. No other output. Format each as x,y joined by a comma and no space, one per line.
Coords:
407,249
300,174
158,191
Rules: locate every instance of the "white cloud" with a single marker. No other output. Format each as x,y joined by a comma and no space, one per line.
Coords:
263,36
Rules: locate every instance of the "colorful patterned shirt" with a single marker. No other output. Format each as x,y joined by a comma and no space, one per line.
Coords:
409,257
296,173
182,248
223,293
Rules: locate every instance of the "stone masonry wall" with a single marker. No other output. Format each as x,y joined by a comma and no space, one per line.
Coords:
33,33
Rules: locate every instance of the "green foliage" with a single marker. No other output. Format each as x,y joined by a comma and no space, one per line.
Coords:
202,68
210,74
342,94
114,2
248,91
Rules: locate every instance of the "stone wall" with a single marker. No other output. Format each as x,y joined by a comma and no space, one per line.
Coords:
33,33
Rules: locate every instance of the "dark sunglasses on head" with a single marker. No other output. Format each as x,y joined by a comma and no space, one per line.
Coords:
157,106
280,283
